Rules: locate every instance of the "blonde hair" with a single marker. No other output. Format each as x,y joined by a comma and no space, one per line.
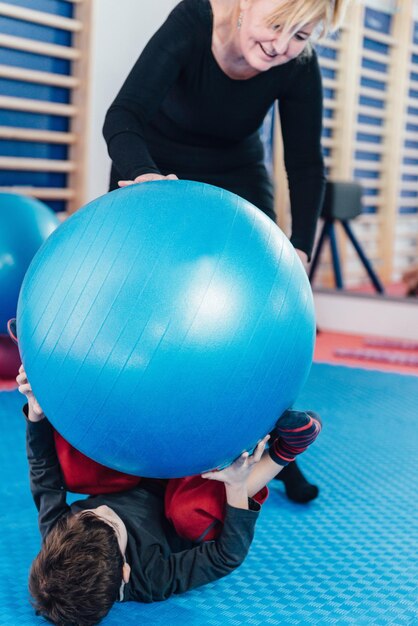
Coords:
293,15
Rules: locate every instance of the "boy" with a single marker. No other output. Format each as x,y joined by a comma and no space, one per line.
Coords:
151,541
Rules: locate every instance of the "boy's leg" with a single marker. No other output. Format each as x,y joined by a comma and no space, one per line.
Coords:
83,475
297,487
265,470
196,506
293,433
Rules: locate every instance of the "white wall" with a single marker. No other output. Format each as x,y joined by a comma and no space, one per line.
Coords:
120,30
360,314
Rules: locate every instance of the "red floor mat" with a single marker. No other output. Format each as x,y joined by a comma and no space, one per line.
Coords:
327,343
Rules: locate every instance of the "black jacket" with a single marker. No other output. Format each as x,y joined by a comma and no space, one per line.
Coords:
162,563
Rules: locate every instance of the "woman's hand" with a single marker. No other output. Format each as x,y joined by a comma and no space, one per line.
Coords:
35,413
410,278
145,178
303,256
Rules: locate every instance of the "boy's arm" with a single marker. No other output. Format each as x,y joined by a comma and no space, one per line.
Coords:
212,560
201,564
46,483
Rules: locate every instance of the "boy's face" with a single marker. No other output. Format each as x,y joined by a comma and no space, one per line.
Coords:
109,516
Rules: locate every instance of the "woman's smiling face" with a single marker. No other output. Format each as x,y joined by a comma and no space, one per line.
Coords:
265,46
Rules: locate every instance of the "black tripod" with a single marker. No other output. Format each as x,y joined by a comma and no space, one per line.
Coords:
342,202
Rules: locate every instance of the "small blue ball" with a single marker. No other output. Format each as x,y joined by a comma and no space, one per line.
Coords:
25,223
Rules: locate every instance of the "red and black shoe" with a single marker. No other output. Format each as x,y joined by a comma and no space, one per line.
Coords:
294,432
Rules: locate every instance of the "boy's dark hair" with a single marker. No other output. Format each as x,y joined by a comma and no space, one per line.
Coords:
76,577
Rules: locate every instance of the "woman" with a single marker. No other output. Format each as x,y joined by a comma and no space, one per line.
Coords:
194,101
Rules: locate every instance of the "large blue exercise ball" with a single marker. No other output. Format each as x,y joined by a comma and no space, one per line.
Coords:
165,327
25,223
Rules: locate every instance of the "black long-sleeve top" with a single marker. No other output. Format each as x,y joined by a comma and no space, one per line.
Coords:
162,563
178,112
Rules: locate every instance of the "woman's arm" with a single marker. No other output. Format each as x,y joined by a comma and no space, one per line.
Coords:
145,88
301,121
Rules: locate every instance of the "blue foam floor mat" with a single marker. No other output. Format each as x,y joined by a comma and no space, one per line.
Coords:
350,557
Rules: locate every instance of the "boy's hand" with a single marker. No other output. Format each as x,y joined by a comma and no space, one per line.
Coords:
237,474
35,413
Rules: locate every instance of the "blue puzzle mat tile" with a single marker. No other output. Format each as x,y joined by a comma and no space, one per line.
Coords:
347,558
